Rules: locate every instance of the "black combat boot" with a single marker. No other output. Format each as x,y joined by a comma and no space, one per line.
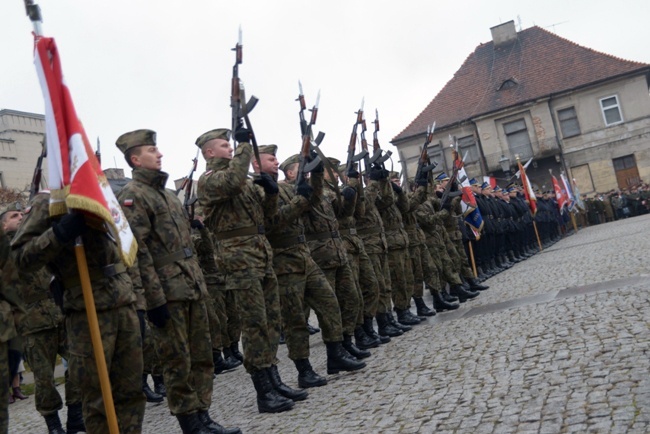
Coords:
268,399
463,295
440,304
190,424
474,285
213,426
506,263
404,318
482,277
338,359
312,329
283,389
75,422
422,308
306,376
148,393
54,424
386,328
159,385
217,360
395,323
283,339
363,340
494,266
512,258
234,348
354,351
449,298
370,330
229,360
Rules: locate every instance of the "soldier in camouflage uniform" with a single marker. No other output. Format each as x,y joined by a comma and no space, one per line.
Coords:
235,209
42,240
43,332
173,284
301,281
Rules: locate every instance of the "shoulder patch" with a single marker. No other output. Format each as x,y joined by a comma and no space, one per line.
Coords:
208,173
27,210
127,202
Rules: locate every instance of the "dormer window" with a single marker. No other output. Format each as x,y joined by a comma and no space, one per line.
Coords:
508,84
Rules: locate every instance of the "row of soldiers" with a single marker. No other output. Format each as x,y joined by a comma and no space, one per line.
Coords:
254,258
616,204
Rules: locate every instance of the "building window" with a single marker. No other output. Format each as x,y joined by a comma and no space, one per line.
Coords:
611,110
518,139
467,145
569,122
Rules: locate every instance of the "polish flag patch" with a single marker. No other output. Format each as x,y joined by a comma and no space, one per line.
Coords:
128,202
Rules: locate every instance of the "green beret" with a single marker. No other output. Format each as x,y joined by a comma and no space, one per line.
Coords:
134,139
219,133
289,161
268,149
7,207
335,161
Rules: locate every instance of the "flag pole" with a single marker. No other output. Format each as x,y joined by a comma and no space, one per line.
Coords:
471,255
34,13
539,242
95,337
573,220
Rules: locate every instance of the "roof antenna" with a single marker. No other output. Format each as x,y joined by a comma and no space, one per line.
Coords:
519,22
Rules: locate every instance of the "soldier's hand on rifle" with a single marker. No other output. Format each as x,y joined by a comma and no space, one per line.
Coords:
69,227
242,134
159,315
422,180
197,224
396,188
267,183
377,173
352,173
348,193
304,189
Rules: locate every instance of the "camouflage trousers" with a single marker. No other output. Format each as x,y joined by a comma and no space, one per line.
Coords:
401,277
227,310
122,342
4,386
430,272
440,256
184,349
214,323
151,363
366,283
256,293
41,349
312,289
465,265
415,252
347,294
379,264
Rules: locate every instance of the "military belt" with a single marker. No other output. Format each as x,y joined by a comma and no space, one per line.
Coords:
322,236
283,243
350,231
368,231
242,232
186,252
96,274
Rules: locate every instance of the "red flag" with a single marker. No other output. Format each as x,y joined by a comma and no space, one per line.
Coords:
75,178
529,194
560,197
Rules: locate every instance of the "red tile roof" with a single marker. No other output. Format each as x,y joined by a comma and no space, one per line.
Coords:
539,63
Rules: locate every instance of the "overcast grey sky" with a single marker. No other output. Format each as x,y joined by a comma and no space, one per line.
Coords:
166,65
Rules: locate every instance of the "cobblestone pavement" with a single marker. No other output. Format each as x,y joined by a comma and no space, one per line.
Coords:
559,343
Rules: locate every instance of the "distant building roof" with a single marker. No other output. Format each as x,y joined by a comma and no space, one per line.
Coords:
533,64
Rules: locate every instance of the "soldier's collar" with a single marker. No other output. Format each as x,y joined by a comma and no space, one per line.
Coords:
217,164
155,178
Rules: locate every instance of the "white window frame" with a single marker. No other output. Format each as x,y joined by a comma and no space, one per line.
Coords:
617,106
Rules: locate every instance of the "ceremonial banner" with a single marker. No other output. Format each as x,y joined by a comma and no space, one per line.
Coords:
569,193
560,196
471,213
75,178
529,194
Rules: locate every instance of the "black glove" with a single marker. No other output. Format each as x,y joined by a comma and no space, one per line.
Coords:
70,227
352,173
197,224
141,321
304,189
422,180
396,188
454,186
56,288
242,134
159,315
348,193
266,181
376,173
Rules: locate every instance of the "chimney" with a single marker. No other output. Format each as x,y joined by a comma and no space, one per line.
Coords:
504,34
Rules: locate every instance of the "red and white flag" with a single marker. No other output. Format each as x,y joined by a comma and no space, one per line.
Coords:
560,195
75,178
529,194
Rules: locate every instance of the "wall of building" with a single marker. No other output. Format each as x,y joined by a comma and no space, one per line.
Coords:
21,135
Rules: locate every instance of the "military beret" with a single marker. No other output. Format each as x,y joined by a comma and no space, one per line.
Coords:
6,207
442,177
268,149
219,133
289,161
136,138
485,185
473,181
335,161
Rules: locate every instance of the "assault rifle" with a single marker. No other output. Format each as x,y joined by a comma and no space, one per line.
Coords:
38,171
98,154
305,165
352,158
446,194
424,163
189,201
240,108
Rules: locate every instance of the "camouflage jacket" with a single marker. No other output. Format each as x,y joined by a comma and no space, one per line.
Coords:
376,193
35,246
166,262
430,220
413,230
230,201
204,246
286,227
11,304
391,214
320,220
41,313
352,242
